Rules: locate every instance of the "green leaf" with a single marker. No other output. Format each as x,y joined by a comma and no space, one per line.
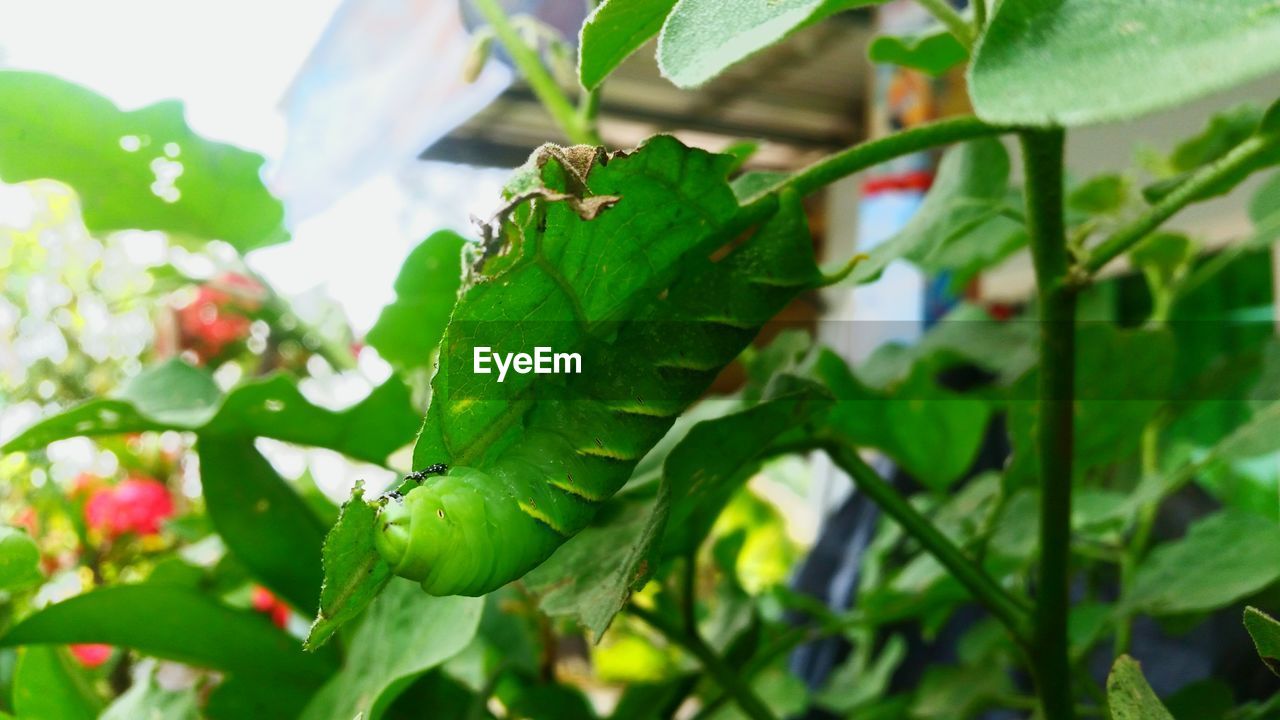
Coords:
1208,699
405,633
1100,195
591,577
354,572
176,396
527,697
1129,697
933,52
934,434
702,38
262,520
1162,256
118,162
582,275
718,456
1225,130
1271,119
177,623
860,680
1265,632
173,392
961,225
19,560
1257,437
614,30
409,330
948,692
47,683
146,699
1264,211
1076,62
1222,558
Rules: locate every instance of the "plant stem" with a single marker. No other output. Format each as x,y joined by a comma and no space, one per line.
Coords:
540,81
589,109
954,22
1042,156
1000,603
873,152
693,643
979,16
1137,546
1190,191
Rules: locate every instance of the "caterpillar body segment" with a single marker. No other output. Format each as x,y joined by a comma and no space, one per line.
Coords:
477,528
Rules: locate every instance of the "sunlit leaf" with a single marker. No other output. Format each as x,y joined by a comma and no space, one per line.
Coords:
48,683
176,396
19,560
143,169
409,329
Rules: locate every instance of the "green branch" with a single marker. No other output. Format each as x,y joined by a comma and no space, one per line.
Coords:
1000,603
873,152
751,704
576,126
1190,191
954,22
1042,158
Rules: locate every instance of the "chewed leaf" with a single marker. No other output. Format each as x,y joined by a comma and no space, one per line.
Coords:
354,573
142,170
629,291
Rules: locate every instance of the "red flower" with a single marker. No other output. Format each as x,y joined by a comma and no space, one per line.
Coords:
137,505
218,316
267,603
27,519
91,655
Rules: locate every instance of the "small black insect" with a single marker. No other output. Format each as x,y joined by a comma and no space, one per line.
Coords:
426,472
390,495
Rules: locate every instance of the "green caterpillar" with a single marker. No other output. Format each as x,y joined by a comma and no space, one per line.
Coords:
485,523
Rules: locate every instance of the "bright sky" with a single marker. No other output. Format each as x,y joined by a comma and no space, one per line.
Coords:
231,62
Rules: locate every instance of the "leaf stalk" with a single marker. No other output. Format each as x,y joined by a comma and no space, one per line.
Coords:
1005,607
1190,191
578,127
750,703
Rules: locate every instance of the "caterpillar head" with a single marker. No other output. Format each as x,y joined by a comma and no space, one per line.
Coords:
458,534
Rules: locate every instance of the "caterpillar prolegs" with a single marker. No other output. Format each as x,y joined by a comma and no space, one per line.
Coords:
476,528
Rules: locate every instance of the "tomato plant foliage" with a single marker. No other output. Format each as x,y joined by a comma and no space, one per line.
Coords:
623,504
